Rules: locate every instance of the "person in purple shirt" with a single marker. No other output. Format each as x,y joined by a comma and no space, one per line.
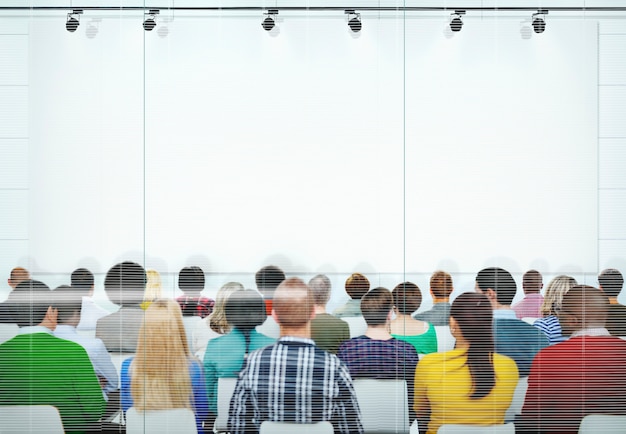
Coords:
377,354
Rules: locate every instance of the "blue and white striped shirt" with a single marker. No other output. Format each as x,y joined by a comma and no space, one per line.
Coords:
294,381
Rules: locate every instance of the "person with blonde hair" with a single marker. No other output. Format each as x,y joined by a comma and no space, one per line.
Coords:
550,307
471,384
215,324
153,289
163,375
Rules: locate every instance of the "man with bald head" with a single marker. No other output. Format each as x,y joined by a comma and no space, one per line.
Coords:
293,380
585,374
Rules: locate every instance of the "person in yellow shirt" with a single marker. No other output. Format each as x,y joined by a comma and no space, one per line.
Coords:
471,384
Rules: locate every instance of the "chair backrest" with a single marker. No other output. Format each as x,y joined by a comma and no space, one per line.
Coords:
177,420
225,389
507,428
8,331
357,325
518,400
30,419
530,319
189,322
445,340
602,423
268,427
384,405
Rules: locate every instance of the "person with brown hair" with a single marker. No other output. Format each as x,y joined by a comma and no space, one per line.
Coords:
18,275
530,305
441,288
293,380
611,282
407,298
163,375
356,286
586,374
471,384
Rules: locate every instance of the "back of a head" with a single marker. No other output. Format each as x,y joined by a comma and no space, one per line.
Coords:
154,288
30,301
268,278
125,283
500,281
357,286
320,286
588,304
162,329
293,303
82,279
191,280
407,298
532,282
611,282
245,309
555,291
217,319
474,315
67,301
376,305
441,284
18,275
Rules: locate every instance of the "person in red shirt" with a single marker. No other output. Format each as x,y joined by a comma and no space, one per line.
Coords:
191,282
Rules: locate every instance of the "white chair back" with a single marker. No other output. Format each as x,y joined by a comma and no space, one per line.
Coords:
175,421
190,322
357,325
603,424
529,319
445,340
268,427
508,428
225,389
518,400
384,405
30,419
8,332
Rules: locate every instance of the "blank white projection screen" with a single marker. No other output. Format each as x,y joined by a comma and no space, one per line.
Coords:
402,149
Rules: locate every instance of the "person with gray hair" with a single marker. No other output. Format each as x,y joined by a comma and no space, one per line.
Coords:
327,331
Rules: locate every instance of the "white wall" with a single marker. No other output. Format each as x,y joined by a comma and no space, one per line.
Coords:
402,150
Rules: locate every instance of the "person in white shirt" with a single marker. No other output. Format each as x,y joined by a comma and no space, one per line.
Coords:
82,280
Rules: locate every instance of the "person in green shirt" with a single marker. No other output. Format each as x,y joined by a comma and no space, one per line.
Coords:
37,368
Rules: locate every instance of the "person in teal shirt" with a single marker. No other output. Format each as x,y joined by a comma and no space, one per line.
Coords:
225,355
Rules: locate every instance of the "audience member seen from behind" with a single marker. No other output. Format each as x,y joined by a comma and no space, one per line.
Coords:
82,281
471,384
356,286
584,375
225,355
407,298
611,282
293,380
512,336
530,305
154,289
17,275
37,368
441,288
215,324
192,303
327,331
267,280
163,375
124,285
549,323
377,354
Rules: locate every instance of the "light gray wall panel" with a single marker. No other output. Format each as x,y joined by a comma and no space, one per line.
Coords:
14,222
13,163
613,26
14,25
612,163
612,214
612,255
13,112
612,111
613,59
14,60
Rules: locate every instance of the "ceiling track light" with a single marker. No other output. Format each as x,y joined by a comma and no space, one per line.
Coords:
270,21
456,22
354,20
539,21
73,20
149,22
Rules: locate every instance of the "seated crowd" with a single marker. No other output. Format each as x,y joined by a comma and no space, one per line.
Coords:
295,362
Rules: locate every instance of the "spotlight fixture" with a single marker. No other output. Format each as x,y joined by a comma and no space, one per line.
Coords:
149,22
354,20
270,21
456,22
539,21
73,20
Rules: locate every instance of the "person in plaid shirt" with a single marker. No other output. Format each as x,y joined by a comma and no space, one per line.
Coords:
191,282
